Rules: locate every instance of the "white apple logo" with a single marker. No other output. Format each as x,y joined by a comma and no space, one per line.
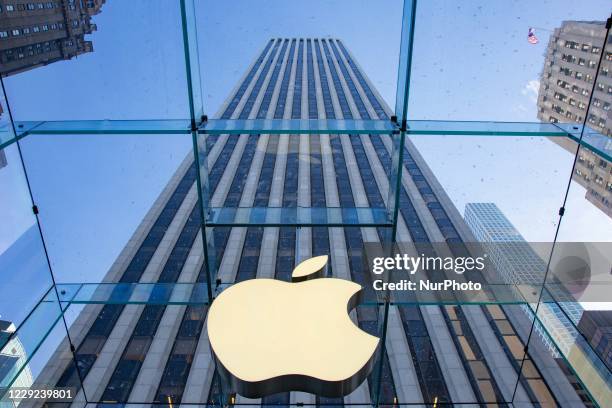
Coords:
271,336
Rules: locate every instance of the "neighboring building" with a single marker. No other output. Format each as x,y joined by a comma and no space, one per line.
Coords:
434,354
12,358
519,264
569,72
596,327
36,33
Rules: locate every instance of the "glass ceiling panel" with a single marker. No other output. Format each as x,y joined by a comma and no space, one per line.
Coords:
474,61
230,39
122,60
297,126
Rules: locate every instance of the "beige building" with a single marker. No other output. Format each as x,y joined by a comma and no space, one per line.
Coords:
565,89
36,33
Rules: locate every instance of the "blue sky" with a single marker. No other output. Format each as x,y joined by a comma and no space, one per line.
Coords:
472,62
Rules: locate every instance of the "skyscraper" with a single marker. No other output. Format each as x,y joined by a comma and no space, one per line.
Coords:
565,88
161,354
12,358
519,264
38,33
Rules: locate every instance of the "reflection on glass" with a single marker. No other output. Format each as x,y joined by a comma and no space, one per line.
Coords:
575,87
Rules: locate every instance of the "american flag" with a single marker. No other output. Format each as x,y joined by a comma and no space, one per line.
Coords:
531,36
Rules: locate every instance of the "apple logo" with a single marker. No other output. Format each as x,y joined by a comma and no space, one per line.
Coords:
270,336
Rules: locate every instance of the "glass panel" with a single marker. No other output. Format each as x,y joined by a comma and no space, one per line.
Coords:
7,134
244,39
467,128
133,293
367,217
39,333
269,179
24,269
483,178
102,202
575,310
498,71
557,350
103,127
95,60
297,126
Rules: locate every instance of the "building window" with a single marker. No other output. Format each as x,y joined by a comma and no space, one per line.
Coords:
10,7
26,30
3,34
16,32
595,50
585,47
35,29
40,6
45,27
54,26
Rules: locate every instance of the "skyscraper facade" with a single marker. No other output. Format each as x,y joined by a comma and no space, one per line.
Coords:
519,264
596,326
37,33
433,354
569,72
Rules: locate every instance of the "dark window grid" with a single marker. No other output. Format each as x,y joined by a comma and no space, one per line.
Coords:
119,389
407,207
515,362
467,333
282,96
265,103
370,95
312,93
344,106
363,112
247,268
327,101
432,378
285,257
296,108
248,106
354,245
245,84
172,268
122,381
177,369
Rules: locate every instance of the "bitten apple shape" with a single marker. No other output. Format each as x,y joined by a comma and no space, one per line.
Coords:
270,336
